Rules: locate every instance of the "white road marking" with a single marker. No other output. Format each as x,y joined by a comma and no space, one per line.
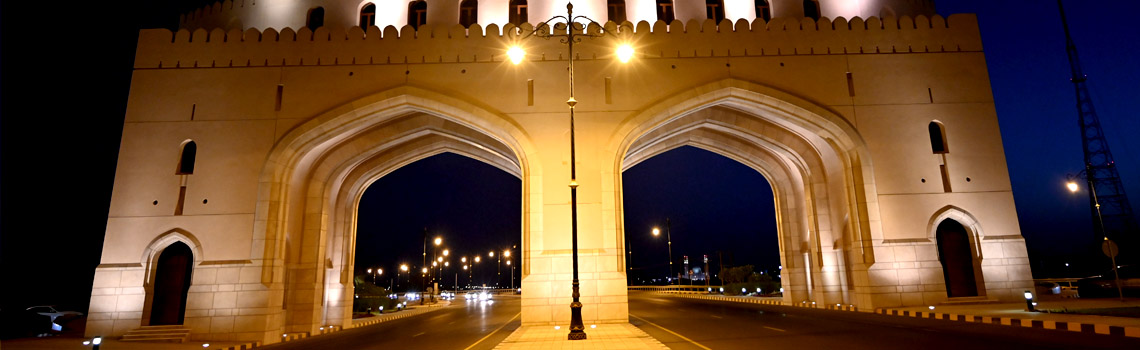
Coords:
421,333
775,329
672,332
493,332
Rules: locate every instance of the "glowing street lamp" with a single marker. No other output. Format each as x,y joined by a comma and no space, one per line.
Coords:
1109,245
669,242
572,36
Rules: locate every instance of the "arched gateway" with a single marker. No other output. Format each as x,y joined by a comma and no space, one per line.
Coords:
291,127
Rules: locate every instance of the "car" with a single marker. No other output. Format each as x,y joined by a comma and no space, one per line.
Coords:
55,316
1104,285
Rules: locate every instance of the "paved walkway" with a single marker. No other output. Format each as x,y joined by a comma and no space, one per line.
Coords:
603,336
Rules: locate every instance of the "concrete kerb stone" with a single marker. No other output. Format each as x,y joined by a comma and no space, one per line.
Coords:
1103,329
355,324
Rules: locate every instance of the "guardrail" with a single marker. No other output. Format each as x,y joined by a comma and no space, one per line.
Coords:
676,289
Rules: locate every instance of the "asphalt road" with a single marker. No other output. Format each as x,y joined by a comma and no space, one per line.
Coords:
683,323
461,326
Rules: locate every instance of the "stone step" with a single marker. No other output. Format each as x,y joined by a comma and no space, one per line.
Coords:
969,301
165,333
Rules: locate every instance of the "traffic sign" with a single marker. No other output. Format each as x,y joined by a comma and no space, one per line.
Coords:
1109,248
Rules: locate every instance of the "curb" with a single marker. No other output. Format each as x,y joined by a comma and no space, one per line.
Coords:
287,337
1016,322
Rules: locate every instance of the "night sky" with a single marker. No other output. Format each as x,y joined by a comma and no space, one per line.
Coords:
66,76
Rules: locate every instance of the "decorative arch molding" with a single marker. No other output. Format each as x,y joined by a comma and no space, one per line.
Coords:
152,250
817,163
289,165
969,222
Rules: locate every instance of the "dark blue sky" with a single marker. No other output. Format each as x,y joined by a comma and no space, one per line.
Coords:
56,177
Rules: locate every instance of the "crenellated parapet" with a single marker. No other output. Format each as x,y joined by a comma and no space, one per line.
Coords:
161,48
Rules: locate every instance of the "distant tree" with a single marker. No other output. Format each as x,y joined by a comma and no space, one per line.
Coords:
737,274
369,297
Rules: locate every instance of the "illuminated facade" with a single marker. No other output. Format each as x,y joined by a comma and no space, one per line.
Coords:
250,137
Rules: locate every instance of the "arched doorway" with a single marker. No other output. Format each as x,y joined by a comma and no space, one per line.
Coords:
171,283
957,260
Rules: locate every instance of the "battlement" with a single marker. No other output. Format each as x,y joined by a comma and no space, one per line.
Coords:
161,48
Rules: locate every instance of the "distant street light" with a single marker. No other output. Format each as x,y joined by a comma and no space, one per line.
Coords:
669,242
1108,243
403,267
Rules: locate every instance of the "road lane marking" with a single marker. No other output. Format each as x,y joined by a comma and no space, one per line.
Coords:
670,332
421,333
492,332
716,316
775,329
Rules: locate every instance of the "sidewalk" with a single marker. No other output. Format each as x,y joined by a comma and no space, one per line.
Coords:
603,336
1015,314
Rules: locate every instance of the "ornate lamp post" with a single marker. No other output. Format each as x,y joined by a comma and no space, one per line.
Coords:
624,54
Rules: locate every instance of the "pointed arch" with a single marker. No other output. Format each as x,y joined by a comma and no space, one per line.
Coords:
817,163
468,13
316,18
417,13
519,12
714,10
763,10
812,10
615,11
368,16
665,11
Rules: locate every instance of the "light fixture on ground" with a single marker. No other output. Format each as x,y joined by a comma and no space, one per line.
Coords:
571,37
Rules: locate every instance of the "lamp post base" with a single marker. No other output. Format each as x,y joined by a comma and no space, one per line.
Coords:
577,328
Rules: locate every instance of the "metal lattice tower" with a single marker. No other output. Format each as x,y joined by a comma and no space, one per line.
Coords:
1118,222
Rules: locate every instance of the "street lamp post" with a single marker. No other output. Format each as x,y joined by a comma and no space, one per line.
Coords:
477,259
403,267
669,242
498,268
624,53
1110,246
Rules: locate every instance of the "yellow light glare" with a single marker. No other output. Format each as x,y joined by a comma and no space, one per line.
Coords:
404,267
476,259
438,240
516,54
507,253
464,259
624,53
423,270
440,259
445,252
1072,186
492,254
656,231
